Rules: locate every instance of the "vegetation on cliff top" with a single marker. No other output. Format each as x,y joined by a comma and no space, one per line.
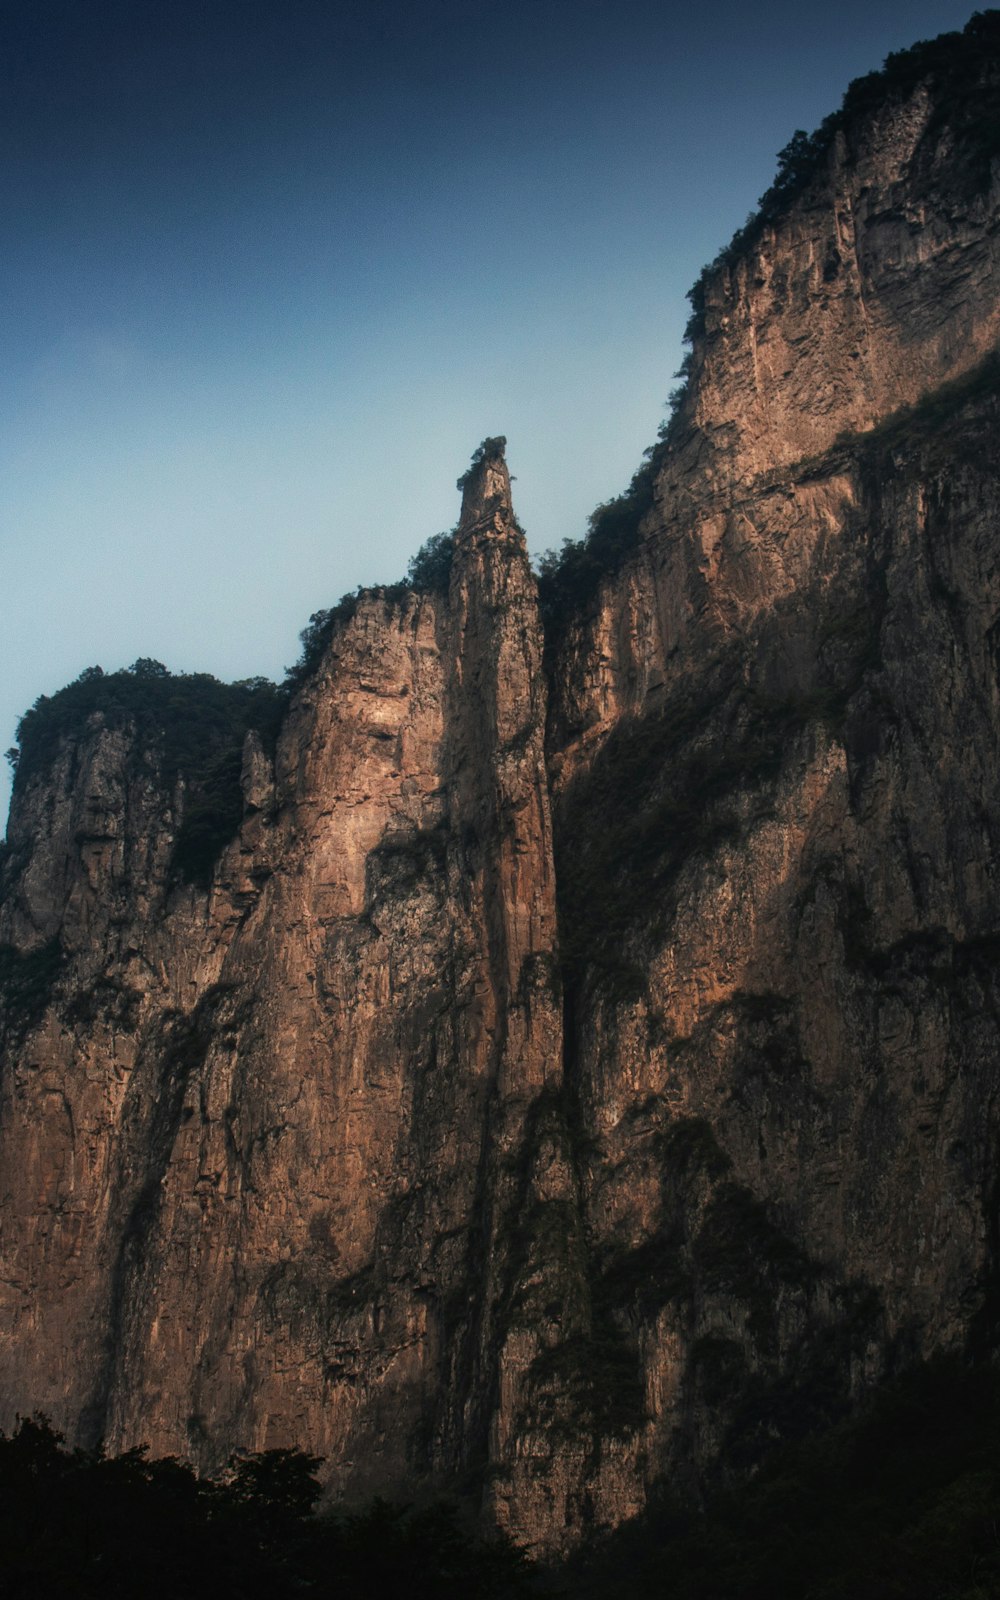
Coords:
966,100
195,725
428,572
490,450
569,577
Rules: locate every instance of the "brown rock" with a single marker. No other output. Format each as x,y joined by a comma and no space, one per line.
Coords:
355,1150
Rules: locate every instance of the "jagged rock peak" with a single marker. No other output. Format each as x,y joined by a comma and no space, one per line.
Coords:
486,499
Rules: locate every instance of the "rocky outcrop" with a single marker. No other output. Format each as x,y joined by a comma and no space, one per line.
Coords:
569,1078
264,1148
785,1006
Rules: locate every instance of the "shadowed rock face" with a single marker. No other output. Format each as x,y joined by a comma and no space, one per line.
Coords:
568,1080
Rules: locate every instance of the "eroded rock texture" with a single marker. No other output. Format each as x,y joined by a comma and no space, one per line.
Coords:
571,1079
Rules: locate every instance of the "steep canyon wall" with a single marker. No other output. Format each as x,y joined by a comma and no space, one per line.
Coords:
576,1077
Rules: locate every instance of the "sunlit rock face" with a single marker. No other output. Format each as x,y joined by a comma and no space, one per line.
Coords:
264,1156
572,1078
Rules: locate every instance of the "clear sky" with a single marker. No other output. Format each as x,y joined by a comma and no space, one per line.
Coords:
272,268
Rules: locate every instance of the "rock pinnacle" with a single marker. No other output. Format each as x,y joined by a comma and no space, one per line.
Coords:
486,500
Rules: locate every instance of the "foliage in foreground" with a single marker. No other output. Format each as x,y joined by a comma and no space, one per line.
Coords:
78,1525
900,1503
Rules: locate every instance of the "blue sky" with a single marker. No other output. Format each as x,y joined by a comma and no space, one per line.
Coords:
272,268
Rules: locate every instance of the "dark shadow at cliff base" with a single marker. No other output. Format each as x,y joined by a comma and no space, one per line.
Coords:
902,1503
76,1523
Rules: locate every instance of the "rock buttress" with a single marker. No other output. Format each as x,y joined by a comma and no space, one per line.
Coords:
266,1148
773,746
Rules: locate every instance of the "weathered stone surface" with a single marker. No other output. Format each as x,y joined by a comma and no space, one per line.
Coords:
565,1081
265,1150
787,1053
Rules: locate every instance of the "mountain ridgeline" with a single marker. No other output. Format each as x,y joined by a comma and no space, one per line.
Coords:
549,1051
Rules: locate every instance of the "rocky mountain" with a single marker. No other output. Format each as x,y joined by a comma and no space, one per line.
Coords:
568,1055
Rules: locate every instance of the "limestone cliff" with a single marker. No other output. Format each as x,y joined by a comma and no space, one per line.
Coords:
262,1152
571,1077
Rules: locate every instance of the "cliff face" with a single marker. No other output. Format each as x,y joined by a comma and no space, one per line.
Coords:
567,1080
256,1175
878,284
